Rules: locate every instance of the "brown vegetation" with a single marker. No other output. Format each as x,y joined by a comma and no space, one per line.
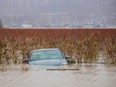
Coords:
16,43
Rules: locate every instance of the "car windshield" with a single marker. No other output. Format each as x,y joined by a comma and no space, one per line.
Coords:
46,54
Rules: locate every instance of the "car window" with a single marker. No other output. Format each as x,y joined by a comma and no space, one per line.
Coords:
46,54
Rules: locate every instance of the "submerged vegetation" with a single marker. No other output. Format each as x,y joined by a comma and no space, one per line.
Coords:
87,43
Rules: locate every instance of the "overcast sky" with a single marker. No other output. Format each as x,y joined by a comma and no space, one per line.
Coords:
72,10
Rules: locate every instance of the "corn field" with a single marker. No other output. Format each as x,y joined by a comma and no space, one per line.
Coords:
87,43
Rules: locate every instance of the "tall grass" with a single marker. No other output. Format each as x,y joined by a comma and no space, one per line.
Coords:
13,50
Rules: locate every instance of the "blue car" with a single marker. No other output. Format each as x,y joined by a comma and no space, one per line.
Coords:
47,57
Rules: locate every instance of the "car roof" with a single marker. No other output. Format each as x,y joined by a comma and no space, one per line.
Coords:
45,49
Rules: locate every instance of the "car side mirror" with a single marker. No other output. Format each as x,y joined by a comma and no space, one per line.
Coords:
67,57
26,60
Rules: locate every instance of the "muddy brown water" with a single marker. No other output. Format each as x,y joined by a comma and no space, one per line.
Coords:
88,75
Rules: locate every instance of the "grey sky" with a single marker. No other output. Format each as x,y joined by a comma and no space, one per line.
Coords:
58,10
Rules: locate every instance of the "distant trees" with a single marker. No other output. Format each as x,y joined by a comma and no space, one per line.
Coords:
1,24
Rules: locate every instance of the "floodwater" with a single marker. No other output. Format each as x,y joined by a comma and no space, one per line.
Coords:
88,75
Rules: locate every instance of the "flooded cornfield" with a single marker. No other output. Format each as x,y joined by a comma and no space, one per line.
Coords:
84,75
96,49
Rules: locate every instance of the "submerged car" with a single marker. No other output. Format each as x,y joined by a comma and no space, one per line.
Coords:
47,57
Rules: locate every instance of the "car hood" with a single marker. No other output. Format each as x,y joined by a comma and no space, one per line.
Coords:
48,62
